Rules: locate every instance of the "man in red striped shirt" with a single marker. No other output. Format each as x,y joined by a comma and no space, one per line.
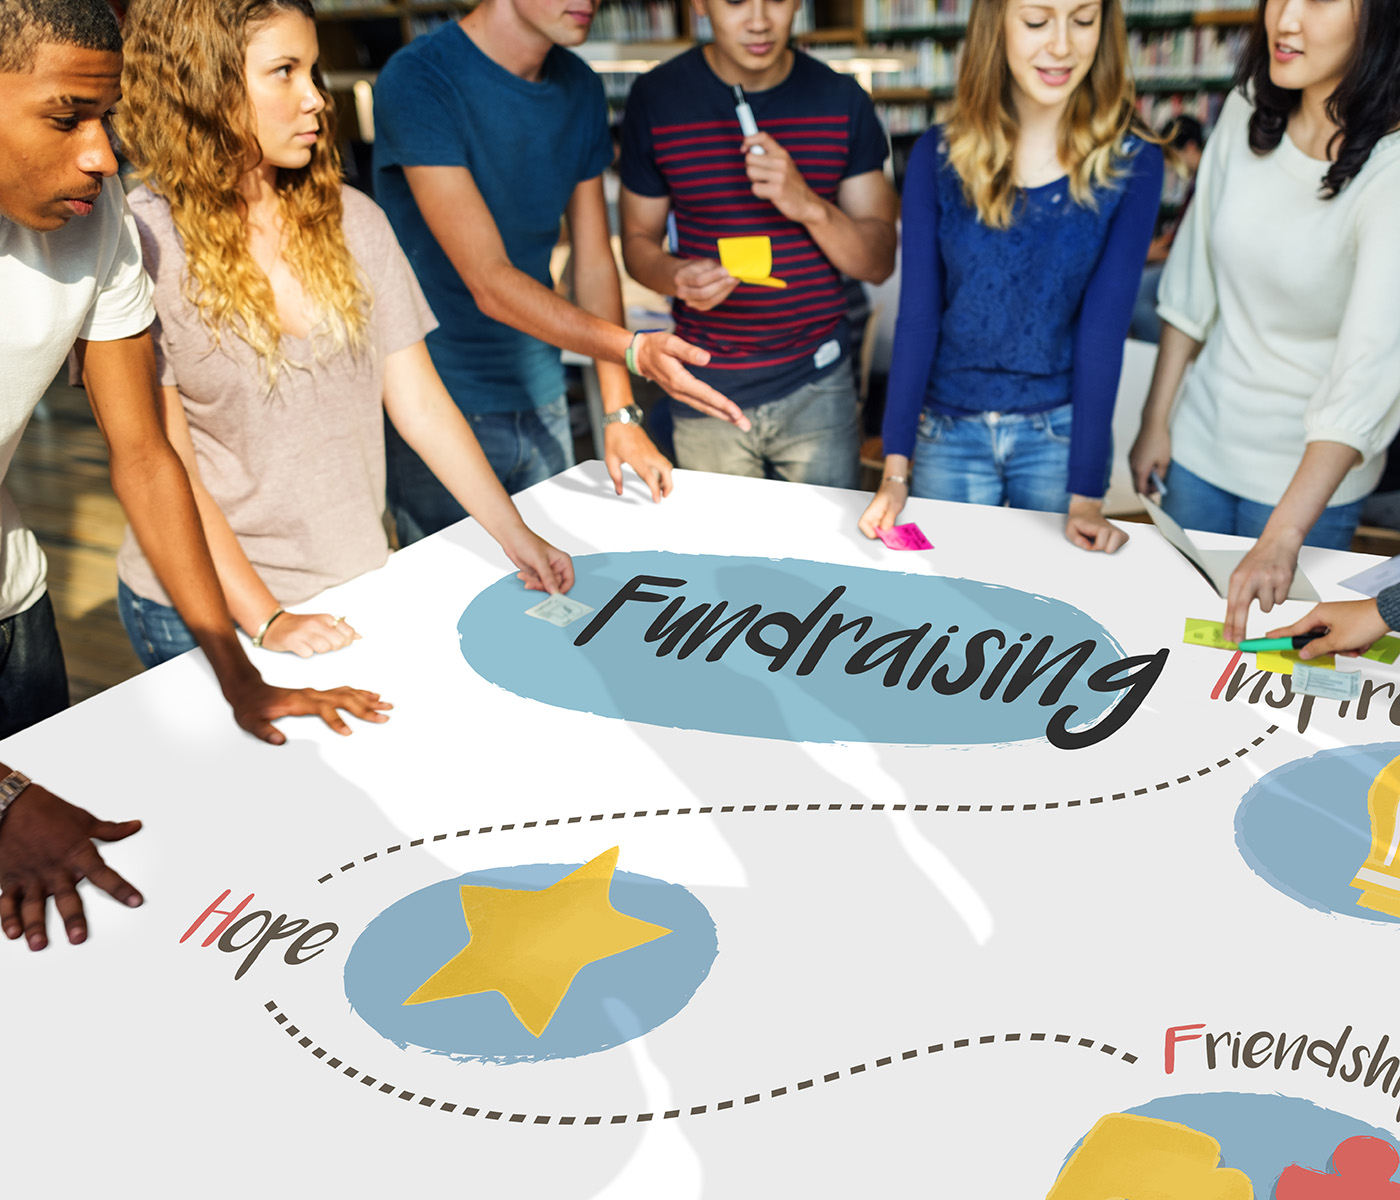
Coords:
810,182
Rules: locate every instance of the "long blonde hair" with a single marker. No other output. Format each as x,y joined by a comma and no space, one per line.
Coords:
982,129
187,125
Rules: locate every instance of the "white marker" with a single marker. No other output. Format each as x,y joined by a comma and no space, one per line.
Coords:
747,125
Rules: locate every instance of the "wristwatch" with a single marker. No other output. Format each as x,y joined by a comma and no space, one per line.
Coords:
631,415
10,787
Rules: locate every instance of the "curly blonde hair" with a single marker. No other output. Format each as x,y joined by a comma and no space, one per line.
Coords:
982,129
187,125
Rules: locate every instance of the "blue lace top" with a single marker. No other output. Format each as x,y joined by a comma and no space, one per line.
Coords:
1022,319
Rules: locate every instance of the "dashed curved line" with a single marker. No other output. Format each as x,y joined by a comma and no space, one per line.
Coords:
748,808
395,1092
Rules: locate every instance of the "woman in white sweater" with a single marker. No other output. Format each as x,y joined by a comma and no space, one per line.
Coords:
1283,286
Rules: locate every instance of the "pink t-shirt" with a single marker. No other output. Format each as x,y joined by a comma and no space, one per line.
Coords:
298,470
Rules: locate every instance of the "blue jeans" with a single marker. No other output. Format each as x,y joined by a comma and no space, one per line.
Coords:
523,448
1195,504
811,435
1146,325
156,631
1016,459
33,682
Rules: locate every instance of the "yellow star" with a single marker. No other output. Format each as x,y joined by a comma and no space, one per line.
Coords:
529,945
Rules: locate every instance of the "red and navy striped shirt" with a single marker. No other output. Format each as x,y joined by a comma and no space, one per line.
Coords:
681,139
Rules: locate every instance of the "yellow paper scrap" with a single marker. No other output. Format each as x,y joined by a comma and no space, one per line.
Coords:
1379,877
1146,1159
749,260
1282,662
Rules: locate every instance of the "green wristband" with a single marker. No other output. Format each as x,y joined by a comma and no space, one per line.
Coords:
631,356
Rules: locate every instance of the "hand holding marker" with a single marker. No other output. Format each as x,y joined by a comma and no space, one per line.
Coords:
747,125
1282,643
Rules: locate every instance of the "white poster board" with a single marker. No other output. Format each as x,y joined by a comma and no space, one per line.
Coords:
894,965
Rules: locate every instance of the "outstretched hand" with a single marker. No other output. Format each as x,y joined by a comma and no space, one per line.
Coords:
45,849
629,445
257,706
663,357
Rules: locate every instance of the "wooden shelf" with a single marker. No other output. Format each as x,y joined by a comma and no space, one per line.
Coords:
910,95
378,12
822,37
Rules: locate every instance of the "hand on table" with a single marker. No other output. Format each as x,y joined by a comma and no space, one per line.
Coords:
256,706
305,634
1353,626
774,177
1151,452
543,568
1264,574
703,283
884,509
629,444
1089,529
45,849
662,358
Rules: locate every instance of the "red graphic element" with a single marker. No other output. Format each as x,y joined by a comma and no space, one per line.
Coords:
227,914
1364,1168
1220,683
1174,1036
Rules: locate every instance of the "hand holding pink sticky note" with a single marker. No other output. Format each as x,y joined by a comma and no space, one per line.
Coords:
905,537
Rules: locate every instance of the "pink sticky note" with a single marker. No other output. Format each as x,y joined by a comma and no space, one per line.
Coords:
905,537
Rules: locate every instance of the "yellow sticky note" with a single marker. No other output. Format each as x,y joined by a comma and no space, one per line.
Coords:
1282,662
749,259
1142,1158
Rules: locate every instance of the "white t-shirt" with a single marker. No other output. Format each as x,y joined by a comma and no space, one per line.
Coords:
1297,300
82,281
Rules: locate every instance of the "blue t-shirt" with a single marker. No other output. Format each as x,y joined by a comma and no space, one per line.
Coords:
1022,319
681,139
441,102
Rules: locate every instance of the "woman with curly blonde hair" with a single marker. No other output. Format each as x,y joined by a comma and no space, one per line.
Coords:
289,323
1026,224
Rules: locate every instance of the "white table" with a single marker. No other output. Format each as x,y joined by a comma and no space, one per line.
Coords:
896,923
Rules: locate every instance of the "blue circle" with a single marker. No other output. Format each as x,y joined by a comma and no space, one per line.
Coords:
1262,1135
610,1001
1305,830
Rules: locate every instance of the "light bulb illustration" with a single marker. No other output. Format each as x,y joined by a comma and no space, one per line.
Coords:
1379,876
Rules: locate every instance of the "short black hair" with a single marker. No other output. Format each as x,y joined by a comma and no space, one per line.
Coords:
26,24
1183,132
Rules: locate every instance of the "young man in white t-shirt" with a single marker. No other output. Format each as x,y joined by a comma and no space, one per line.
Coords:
70,273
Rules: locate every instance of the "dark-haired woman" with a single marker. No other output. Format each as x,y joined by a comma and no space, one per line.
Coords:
1284,287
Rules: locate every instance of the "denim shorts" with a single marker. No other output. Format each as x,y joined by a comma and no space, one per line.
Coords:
811,435
1016,459
156,631
1195,504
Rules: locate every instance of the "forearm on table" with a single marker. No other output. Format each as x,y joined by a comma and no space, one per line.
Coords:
249,599
155,492
430,422
1175,352
597,291
1324,466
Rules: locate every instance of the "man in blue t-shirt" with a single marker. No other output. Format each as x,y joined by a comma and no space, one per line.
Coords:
487,133
809,186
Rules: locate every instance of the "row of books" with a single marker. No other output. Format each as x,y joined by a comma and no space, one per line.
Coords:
636,21
914,14
937,66
1158,111
1208,53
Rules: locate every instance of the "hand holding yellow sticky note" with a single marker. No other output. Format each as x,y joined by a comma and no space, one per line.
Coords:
749,260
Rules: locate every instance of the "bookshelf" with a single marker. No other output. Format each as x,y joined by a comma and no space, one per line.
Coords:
1182,51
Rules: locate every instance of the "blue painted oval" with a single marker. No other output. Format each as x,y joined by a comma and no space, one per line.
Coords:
1304,827
619,673
610,1001
1262,1135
